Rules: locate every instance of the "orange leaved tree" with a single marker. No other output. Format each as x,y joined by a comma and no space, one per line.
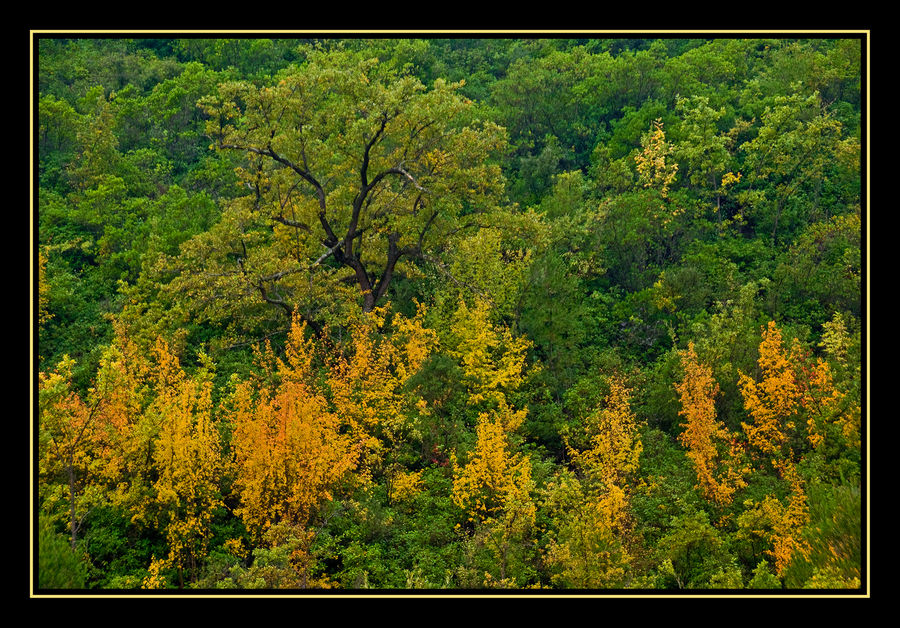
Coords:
712,449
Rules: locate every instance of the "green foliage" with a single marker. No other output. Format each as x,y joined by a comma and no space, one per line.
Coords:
695,554
568,211
58,567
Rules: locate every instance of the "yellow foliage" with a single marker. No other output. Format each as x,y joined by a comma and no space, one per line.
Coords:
187,457
781,525
495,481
289,452
822,401
493,362
588,549
236,548
702,432
793,391
729,179
155,579
297,436
43,291
405,485
653,171
367,386
774,399
615,446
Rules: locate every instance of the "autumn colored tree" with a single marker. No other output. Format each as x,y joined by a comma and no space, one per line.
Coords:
290,450
367,385
590,548
613,445
68,434
492,360
772,401
188,461
718,475
655,165
795,397
780,525
494,487
126,377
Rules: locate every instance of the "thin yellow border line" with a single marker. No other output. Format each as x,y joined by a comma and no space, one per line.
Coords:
868,45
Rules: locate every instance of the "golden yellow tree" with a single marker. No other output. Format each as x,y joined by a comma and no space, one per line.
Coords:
289,454
492,360
613,449
653,166
773,400
290,450
188,461
69,436
780,524
796,395
775,404
592,523
495,486
718,475
43,291
367,385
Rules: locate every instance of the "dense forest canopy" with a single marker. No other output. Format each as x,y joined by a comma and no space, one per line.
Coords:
541,314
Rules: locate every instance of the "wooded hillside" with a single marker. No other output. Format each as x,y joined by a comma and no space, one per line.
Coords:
535,314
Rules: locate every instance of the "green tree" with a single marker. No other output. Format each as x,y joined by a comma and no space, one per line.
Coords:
351,166
59,567
796,143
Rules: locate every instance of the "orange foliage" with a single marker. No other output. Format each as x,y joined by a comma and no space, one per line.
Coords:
702,433
290,450
773,400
